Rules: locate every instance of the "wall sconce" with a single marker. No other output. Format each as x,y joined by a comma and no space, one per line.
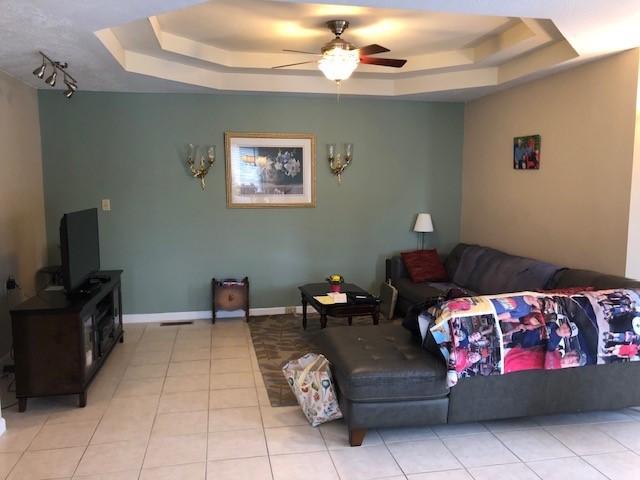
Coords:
201,170
338,162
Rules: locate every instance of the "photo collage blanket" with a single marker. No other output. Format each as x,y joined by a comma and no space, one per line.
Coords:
499,334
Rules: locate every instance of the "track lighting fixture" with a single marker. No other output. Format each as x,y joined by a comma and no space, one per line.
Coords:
69,81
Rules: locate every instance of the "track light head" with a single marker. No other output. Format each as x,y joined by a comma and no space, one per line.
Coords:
51,79
39,72
71,89
71,84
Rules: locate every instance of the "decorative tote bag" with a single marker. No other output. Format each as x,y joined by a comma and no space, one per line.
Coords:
310,380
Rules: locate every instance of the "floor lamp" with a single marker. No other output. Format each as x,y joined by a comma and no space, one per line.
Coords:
423,225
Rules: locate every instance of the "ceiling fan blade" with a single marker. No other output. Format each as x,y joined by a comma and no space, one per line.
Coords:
300,51
383,62
373,49
292,64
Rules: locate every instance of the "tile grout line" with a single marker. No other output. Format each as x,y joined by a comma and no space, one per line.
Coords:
576,453
581,456
155,417
514,454
384,442
594,467
103,413
464,467
331,456
148,439
206,450
264,428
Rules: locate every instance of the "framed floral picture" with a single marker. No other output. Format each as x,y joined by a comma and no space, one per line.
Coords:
267,170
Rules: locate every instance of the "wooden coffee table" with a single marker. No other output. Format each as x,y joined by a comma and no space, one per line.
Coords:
340,310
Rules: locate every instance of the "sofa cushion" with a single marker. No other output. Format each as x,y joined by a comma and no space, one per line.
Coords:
571,277
488,271
395,268
453,259
382,363
424,266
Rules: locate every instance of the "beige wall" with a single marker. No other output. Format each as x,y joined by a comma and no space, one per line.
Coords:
574,211
633,237
22,227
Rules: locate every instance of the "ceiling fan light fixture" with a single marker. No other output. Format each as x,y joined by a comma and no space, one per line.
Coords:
338,64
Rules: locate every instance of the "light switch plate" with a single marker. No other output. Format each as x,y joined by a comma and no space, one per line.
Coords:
106,205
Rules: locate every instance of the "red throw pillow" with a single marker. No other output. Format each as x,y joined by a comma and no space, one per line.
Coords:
424,266
569,290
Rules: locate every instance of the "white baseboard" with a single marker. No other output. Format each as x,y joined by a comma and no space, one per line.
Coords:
203,315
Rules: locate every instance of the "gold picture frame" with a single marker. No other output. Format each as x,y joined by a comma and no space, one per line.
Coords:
270,170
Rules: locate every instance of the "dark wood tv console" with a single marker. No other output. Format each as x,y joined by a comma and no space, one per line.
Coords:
60,342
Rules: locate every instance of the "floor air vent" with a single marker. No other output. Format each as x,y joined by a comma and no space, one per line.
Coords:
173,324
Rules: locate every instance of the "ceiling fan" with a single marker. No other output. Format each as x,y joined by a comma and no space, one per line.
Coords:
339,58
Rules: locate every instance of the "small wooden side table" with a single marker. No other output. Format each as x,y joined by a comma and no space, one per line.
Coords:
230,295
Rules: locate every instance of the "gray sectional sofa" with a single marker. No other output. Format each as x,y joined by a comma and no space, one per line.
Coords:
385,378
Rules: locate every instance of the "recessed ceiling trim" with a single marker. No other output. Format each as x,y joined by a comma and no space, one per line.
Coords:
514,41
537,61
506,42
427,82
173,43
440,82
113,45
258,82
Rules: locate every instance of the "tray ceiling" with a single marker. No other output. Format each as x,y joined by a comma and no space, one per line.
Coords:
455,50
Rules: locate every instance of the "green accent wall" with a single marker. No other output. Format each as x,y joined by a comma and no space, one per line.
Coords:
171,238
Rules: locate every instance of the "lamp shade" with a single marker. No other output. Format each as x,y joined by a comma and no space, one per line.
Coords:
423,223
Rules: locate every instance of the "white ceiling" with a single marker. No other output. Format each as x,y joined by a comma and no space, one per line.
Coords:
456,50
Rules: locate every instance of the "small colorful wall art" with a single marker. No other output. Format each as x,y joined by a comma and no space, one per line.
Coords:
526,152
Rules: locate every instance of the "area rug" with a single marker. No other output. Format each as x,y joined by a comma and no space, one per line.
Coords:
280,338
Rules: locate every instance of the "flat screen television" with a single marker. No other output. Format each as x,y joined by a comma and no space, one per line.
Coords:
80,248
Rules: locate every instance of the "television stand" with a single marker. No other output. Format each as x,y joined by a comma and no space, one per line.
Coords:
61,342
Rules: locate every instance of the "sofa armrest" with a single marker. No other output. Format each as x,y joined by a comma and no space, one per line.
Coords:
395,269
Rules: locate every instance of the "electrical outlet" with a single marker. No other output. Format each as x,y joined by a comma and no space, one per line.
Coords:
290,309
106,205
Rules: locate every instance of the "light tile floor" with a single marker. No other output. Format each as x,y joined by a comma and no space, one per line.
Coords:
188,403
